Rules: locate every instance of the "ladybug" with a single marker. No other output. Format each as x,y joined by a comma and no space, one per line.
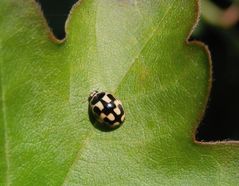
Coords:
107,111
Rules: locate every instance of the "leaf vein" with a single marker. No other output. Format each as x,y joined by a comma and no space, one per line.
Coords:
147,41
6,143
78,156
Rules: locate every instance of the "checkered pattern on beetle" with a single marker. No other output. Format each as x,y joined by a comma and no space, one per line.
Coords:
107,110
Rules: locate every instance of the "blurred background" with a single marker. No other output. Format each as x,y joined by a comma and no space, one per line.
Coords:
219,29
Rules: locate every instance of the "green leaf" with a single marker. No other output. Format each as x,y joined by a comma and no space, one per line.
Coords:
137,51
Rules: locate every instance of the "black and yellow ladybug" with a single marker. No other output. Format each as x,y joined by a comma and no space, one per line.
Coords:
107,111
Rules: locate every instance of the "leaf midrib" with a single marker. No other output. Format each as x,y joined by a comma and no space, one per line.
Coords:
87,138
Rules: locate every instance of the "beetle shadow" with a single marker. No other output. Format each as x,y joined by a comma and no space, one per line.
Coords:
97,125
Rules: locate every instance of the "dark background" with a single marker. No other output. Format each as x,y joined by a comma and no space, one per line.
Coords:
221,121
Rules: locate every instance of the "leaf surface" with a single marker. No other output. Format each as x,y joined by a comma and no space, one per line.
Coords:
137,51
